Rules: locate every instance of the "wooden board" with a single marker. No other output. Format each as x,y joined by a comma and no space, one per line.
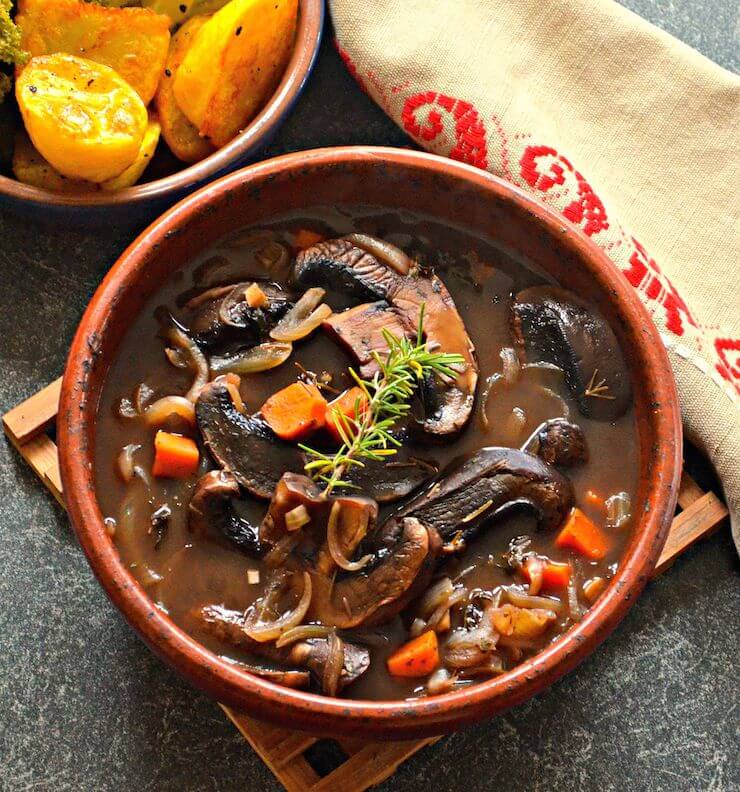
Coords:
301,762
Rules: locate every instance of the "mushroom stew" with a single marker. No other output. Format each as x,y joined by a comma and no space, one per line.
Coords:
367,454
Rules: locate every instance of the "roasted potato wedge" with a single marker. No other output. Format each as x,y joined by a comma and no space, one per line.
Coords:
85,119
180,135
133,41
31,168
133,173
179,11
233,65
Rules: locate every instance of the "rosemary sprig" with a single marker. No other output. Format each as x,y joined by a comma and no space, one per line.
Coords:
597,390
367,434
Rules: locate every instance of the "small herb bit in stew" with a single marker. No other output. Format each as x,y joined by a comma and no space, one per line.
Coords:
366,434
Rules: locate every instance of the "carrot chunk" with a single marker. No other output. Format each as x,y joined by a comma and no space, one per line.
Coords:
254,296
346,403
416,658
582,535
175,456
304,238
554,574
296,411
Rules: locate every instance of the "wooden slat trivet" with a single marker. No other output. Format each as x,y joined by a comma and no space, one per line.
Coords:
284,751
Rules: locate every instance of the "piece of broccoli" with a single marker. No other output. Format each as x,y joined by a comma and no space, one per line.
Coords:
10,37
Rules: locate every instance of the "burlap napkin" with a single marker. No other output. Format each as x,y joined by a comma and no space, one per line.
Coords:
629,133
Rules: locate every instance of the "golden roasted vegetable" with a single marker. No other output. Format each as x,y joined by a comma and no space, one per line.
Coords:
181,136
179,11
132,174
133,41
85,119
234,64
31,168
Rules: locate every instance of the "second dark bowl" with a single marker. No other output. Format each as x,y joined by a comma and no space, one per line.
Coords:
134,205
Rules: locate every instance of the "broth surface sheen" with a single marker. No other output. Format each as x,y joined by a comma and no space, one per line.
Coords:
183,572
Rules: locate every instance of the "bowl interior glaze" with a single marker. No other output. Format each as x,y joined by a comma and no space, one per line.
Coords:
398,179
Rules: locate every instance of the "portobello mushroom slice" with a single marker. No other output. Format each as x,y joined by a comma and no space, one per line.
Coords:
387,482
376,595
358,515
554,326
222,316
472,494
313,653
341,265
360,331
558,442
243,444
211,510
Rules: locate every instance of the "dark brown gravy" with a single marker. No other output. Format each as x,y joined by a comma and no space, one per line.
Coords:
184,572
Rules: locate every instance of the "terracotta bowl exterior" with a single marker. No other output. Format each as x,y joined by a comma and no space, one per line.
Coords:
143,201
396,179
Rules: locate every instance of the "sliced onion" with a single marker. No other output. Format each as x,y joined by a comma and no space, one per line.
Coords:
260,358
593,588
208,295
491,381
522,600
418,626
575,607
511,366
281,550
125,461
142,394
175,358
159,411
268,631
302,633
564,409
512,642
444,607
437,595
303,318
441,681
143,475
465,656
198,362
386,252
273,256
334,665
232,382
493,665
618,510
483,638
335,547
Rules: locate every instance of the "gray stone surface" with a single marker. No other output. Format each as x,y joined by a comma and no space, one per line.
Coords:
85,706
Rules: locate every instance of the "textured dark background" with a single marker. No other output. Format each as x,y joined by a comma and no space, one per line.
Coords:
83,704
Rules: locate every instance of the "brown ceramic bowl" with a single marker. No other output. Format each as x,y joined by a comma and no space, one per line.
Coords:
145,200
398,180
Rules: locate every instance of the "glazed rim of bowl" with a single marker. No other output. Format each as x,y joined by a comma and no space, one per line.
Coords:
322,714
305,51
